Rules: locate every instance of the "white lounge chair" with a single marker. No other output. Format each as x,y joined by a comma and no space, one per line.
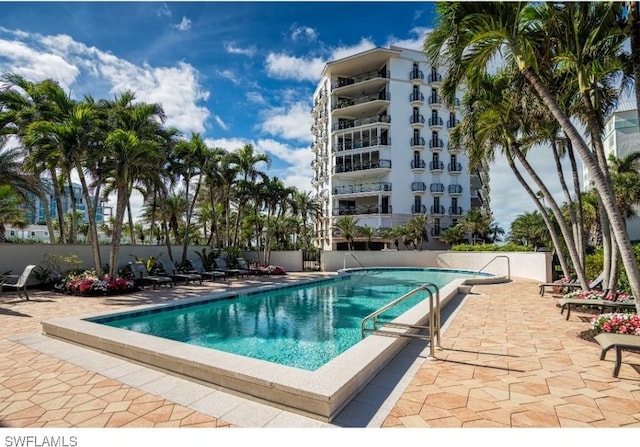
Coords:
21,281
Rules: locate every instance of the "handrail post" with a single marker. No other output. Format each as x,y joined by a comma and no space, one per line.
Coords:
496,257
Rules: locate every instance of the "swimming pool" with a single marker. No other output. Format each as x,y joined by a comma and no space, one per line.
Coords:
322,384
303,327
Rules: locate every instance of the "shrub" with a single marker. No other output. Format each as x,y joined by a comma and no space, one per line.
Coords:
491,247
87,283
617,323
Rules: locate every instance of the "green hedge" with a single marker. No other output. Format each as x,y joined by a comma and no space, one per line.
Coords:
491,247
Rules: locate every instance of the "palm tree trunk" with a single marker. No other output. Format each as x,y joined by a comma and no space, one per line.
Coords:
555,239
604,189
570,202
190,208
58,193
634,40
568,239
580,238
91,216
121,205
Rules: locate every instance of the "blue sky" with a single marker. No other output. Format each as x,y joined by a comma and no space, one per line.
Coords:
235,72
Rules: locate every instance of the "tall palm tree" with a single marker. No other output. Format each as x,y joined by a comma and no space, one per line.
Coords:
347,227
417,229
470,36
10,208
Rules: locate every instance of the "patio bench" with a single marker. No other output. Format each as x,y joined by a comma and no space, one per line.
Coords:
621,342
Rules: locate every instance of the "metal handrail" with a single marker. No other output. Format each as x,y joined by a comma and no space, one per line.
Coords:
496,257
434,318
344,261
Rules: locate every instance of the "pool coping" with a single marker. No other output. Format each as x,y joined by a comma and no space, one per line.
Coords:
319,394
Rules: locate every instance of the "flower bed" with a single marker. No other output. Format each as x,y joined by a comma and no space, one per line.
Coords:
87,283
622,297
616,323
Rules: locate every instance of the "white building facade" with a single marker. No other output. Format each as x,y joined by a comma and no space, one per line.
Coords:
382,152
621,136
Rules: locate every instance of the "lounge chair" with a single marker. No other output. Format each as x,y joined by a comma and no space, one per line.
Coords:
542,287
197,267
171,271
621,342
610,305
21,281
221,265
244,265
143,277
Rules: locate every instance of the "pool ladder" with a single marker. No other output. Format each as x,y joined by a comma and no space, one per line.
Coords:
434,319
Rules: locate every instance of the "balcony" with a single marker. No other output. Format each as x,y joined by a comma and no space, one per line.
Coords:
436,188
378,164
417,120
417,141
436,166
435,78
419,187
359,102
363,209
455,189
455,167
436,123
370,78
435,101
436,144
416,76
359,144
419,209
350,124
363,188
451,123
416,99
418,164
455,210
437,209
455,103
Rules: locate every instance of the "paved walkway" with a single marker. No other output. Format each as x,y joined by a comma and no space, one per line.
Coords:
509,359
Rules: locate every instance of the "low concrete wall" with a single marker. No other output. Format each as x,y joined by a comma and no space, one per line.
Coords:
15,257
529,265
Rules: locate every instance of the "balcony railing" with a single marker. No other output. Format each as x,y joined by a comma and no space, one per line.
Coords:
436,166
436,187
455,189
348,102
418,209
455,167
435,99
435,77
361,122
436,143
435,121
344,81
455,210
416,96
366,187
417,119
416,74
418,164
437,209
385,164
417,141
418,186
359,144
452,123
363,209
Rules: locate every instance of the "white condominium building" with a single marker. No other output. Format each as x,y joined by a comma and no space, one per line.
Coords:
382,152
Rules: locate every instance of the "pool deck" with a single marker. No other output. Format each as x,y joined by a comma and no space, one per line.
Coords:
508,359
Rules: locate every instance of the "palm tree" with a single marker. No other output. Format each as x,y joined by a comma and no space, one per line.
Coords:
417,230
453,235
469,37
347,227
368,233
10,208
529,229
476,224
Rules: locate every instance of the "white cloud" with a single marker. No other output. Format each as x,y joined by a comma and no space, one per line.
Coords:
293,122
184,25
230,75
345,51
283,66
305,32
255,97
231,48
416,43
72,63
163,10
221,123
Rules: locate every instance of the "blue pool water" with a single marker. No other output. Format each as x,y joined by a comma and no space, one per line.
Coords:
299,326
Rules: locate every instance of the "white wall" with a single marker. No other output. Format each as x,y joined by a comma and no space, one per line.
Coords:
528,265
